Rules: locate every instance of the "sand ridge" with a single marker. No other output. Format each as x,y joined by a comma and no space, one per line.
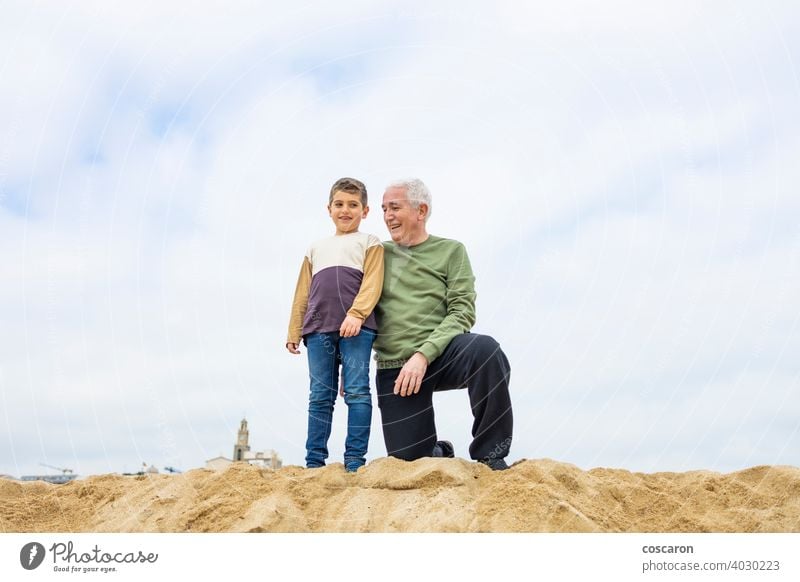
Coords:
428,495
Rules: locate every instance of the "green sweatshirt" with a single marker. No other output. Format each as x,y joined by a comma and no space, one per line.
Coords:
428,298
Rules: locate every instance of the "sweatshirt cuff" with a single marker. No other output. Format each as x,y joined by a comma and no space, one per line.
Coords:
429,351
356,313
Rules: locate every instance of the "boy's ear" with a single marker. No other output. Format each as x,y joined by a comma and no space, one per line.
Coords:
366,211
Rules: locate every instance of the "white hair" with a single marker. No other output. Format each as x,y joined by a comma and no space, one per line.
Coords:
416,192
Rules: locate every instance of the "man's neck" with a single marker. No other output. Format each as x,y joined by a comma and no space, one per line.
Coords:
415,240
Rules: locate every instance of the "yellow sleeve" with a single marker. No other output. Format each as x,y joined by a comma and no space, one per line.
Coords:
299,304
371,284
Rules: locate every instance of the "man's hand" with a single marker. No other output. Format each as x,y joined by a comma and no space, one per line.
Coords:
292,347
411,374
350,326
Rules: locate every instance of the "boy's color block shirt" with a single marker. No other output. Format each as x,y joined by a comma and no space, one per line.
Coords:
341,275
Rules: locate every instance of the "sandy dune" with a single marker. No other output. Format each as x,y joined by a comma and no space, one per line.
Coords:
429,495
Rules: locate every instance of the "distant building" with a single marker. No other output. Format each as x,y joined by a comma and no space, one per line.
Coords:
66,476
242,453
218,463
56,479
267,459
242,446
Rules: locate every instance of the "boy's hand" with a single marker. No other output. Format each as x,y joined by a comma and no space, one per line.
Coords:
350,326
292,347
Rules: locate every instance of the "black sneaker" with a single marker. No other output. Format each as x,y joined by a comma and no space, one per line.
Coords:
444,449
495,464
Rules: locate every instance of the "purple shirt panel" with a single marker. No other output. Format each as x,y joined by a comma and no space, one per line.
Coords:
332,293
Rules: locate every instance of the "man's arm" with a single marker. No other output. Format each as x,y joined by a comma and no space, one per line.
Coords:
460,298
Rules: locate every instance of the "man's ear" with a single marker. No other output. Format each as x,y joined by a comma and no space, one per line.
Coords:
423,210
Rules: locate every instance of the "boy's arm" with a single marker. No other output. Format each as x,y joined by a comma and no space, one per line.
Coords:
371,284
300,303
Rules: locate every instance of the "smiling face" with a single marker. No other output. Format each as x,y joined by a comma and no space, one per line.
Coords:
346,211
406,223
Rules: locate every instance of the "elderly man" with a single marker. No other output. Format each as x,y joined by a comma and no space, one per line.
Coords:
424,316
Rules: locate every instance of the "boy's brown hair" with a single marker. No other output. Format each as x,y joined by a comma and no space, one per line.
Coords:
351,186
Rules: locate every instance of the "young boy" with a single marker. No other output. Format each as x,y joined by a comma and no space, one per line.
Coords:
339,284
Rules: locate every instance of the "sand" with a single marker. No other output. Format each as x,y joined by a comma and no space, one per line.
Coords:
429,495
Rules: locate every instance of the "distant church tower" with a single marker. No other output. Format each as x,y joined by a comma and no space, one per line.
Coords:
242,442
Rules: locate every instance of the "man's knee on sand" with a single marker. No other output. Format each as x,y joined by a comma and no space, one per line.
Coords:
406,451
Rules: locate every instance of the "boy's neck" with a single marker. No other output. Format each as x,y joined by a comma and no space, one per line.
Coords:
339,233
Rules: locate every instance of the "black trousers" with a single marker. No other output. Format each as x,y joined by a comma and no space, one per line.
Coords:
470,361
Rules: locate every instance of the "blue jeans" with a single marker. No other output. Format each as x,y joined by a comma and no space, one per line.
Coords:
326,351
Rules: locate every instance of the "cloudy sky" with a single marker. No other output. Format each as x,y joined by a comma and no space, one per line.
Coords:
621,173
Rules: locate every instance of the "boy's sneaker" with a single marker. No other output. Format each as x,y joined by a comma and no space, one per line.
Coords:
444,449
352,467
495,464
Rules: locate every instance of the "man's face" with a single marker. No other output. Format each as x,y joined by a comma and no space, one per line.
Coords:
406,224
346,211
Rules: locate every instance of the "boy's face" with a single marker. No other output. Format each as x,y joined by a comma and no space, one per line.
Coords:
346,211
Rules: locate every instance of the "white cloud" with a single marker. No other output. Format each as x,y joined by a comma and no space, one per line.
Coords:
628,214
